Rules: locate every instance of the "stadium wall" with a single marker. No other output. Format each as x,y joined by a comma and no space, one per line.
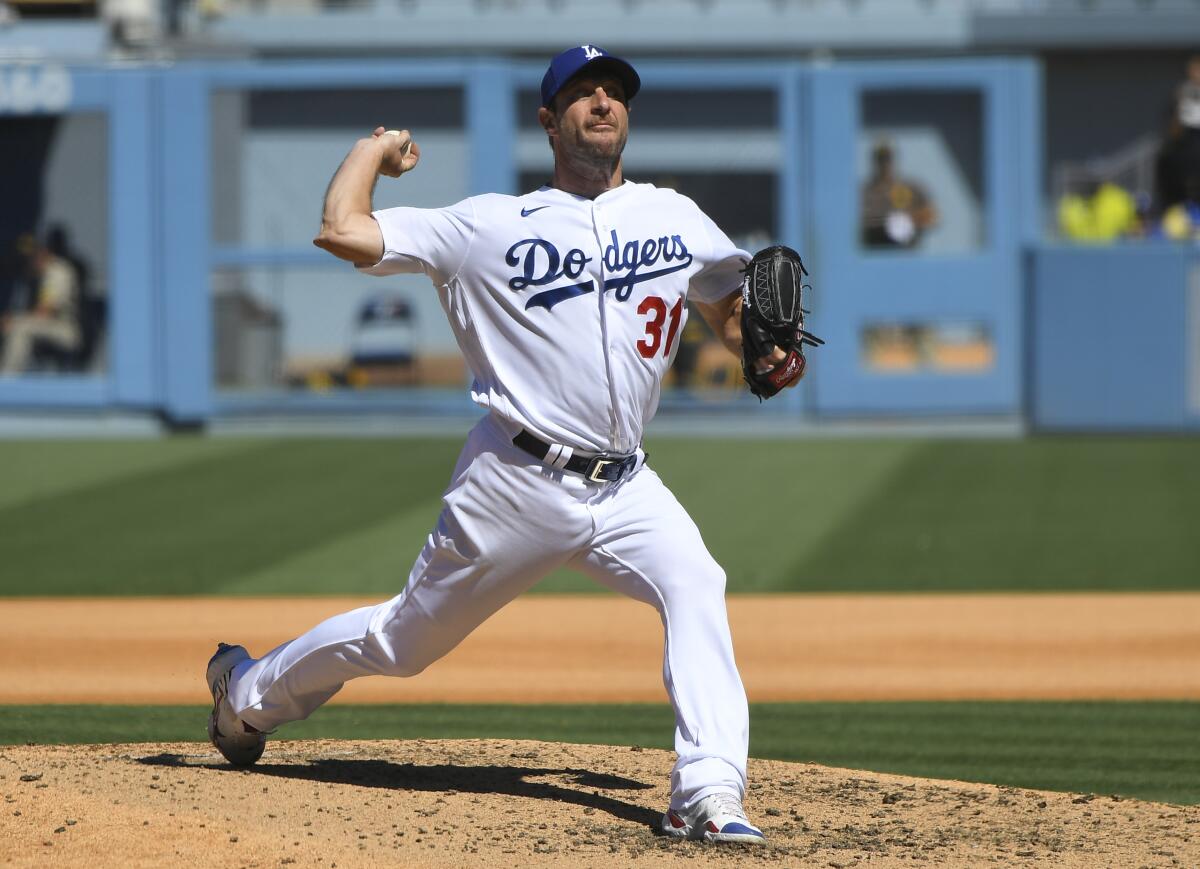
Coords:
1115,338
178,224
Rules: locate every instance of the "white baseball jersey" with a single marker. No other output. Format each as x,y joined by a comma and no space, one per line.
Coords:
567,309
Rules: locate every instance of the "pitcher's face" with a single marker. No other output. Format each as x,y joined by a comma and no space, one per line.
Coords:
591,123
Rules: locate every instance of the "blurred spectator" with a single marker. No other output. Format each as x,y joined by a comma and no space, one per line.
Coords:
691,341
59,241
54,319
1177,167
92,308
1181,221
1187,97
895,211
16,294
1105,213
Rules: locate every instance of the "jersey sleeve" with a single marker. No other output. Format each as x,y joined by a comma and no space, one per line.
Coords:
721,273
435,241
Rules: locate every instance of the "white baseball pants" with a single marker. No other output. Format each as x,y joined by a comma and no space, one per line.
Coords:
508,520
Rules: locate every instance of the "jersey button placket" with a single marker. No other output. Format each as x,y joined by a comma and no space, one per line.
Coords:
606,344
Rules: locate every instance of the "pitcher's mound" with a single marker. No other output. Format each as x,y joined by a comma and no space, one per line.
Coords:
502,803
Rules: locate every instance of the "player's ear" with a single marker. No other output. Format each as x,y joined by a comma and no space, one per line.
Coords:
547,119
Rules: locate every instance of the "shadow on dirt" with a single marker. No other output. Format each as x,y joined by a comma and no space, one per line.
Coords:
510,780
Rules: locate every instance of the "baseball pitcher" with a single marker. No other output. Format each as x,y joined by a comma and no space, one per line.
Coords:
567,303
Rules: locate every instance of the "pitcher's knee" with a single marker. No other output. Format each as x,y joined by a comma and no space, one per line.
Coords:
403,659
401,650
407,666
694,577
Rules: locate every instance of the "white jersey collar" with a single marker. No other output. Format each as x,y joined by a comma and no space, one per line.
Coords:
606,196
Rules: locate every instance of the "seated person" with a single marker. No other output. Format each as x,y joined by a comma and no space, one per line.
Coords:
54,318
1177,164
895,211
1187,96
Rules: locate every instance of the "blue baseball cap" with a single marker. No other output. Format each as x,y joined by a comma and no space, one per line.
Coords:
570,63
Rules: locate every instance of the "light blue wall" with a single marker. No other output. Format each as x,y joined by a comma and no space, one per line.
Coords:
860,288
1105,341
1113,338
120,103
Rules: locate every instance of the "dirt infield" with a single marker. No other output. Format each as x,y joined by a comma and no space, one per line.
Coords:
608,649
489,803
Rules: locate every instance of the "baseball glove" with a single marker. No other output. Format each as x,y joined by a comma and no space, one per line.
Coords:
773,316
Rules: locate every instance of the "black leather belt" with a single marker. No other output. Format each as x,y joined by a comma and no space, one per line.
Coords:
600,468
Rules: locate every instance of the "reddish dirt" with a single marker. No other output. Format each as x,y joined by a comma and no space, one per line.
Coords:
490,803
608,649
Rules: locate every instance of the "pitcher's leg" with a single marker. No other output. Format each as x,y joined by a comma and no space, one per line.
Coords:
447,597
480,556
294,679
648,548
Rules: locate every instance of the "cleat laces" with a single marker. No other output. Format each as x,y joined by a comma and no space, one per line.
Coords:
728,804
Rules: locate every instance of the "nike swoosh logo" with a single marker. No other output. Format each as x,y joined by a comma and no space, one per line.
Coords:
525,212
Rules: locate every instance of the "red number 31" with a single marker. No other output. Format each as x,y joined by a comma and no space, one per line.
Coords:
657,309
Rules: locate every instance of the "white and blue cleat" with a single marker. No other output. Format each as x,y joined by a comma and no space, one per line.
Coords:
718,817
239,743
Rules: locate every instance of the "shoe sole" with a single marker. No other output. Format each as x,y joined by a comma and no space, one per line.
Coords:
735,839
686,833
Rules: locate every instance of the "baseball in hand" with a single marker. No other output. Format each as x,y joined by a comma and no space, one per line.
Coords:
407,145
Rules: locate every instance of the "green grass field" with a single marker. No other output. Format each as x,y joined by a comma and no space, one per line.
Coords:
1144,750
264,516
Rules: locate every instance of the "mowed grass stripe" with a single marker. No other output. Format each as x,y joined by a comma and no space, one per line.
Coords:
1146,750
32,469
763,505
373,560
201,526
1064,514
348,517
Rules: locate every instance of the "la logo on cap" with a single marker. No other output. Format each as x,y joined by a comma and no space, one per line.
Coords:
590,52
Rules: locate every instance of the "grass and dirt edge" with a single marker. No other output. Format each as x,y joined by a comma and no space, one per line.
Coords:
1144,750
